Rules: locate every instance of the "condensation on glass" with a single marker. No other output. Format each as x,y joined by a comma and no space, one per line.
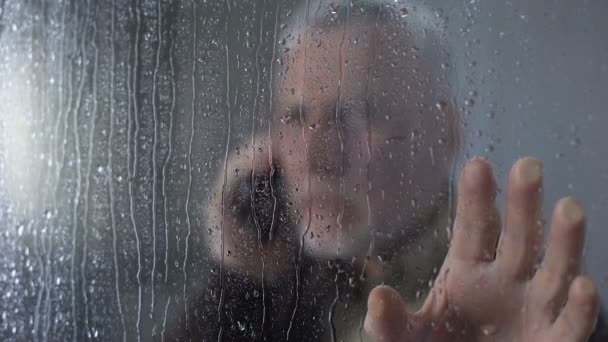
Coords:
237,170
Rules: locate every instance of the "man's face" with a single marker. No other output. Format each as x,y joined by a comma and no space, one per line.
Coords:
361,137
360,143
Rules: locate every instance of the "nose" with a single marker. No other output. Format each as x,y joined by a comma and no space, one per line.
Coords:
327,143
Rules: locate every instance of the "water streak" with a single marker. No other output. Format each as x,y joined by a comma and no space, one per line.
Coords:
252,196
154,148
111,172
229,110
193,112
87,186
76,202
168,158
133,143
308,185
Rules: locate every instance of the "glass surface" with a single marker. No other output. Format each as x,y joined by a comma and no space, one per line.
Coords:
249,170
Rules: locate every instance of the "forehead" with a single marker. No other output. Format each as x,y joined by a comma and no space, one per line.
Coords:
359,51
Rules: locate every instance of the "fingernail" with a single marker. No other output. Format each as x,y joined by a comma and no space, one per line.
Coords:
573,211
531,170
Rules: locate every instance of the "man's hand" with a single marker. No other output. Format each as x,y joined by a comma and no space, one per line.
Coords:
490,287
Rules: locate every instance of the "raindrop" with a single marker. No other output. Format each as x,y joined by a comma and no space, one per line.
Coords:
404,12
575,142
441,105
241,325
285,118
489,330
333,7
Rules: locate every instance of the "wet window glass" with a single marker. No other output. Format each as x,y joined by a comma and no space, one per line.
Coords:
251,170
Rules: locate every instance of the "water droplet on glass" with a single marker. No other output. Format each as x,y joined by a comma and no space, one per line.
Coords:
441,105
575,142
285,118
333,7
404,12
489,330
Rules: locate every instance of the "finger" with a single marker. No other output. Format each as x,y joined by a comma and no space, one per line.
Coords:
477,222
522,236
387,317
563,258
578,318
